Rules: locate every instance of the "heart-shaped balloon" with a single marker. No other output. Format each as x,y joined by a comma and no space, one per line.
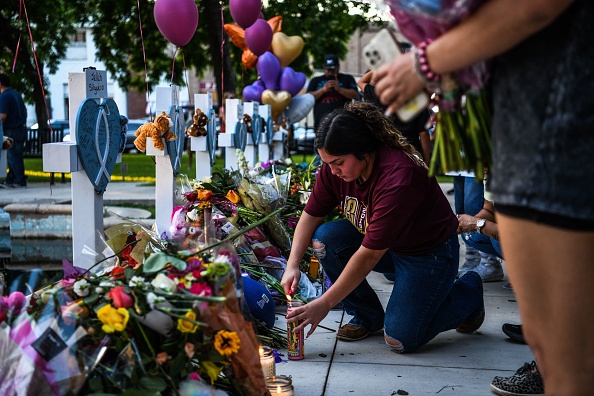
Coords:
258,37
269,69
253,93
299,107
237,36
245,12
177,20
291,81
278,101
286,48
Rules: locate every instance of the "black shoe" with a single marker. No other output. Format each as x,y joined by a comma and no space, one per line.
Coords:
526,381
514,332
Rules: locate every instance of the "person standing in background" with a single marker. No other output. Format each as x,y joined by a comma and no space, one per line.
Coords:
332,90
14,117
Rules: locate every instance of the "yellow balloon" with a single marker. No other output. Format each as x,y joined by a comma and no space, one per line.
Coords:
278,101
286,48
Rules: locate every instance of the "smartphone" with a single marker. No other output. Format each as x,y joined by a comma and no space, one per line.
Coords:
384,48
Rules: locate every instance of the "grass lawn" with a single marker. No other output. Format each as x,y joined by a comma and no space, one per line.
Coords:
141,168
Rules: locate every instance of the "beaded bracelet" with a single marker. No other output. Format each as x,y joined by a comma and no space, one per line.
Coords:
422,67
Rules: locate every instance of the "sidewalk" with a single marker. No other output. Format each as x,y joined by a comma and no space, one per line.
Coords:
451,364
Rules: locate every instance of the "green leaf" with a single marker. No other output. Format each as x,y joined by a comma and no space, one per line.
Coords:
159,260
91,300
153,384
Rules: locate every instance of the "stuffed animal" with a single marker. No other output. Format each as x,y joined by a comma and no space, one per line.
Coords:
247,120
198,127
157,130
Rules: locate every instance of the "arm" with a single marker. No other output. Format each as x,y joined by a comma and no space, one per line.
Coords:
358,267
320,92
467,223
302,238
425,145
490,31
364,80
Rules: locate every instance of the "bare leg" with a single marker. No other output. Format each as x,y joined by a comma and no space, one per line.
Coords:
552,271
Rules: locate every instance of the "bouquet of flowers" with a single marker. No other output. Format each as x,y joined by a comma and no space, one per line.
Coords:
159,316
463,127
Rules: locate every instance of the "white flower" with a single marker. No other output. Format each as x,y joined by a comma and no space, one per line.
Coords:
222,259
137,281
206,179
288,161
81,288
193,215
152,299
103,285
161,281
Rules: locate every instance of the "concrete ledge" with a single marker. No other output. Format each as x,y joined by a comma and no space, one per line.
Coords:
33,221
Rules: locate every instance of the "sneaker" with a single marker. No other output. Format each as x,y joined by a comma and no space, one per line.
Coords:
473,322
526,381
350,332
6,185
472,260
18,186
514,332
490,272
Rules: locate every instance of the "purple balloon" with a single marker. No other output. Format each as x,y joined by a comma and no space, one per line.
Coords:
258,37
177,20
245,12
253,93
291,81
269,68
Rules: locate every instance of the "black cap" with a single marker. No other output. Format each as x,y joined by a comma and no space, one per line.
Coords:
330,62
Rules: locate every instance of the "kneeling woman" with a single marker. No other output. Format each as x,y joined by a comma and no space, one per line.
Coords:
398,222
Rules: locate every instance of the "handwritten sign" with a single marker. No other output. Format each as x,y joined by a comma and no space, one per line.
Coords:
98,136
269,131
240,135
211,135
96,83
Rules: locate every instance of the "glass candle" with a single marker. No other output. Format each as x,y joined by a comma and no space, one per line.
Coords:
280,385
295,339
267,361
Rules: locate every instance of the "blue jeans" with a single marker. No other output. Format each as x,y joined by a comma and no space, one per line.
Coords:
426,298
483,243
14,156
469,195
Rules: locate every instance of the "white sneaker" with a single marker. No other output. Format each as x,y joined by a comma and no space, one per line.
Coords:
489,272
469,265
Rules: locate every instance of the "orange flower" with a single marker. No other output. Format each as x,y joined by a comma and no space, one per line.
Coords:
204,195
232,196
226,342
162,357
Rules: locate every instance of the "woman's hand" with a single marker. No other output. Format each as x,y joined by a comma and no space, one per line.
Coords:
397,82
290,279
311,313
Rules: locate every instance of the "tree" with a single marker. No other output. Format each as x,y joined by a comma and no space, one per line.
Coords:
51,32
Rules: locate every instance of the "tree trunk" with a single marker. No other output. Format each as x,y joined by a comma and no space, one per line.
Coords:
223,69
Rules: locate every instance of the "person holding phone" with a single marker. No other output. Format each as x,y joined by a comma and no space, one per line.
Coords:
542,162
332,90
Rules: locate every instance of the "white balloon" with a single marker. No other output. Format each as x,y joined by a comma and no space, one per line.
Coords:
299,107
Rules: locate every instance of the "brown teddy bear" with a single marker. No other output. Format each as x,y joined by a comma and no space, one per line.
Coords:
157,130
198,127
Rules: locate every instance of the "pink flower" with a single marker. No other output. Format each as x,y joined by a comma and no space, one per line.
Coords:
120,298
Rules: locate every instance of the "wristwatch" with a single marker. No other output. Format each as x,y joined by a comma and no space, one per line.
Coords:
479,225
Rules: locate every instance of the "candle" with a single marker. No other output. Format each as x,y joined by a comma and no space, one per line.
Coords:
267,362
295,339
280,385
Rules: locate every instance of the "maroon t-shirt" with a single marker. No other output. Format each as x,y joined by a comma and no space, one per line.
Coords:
399,207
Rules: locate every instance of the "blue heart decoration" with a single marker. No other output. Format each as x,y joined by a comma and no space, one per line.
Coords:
98,137
256,128
211,135
240,136
175,147
269,131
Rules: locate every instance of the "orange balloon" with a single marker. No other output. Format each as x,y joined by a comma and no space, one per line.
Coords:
237,36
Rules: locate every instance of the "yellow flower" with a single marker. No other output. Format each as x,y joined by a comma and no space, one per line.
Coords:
185,326
212,369
226,342
113,319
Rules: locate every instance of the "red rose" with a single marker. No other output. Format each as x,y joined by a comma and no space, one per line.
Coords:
120,298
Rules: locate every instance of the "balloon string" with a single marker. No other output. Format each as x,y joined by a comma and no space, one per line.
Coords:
173,64
37,65
16,51
148,92
222,53
190,97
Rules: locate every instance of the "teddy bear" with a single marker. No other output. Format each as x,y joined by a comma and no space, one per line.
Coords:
157,130
198,127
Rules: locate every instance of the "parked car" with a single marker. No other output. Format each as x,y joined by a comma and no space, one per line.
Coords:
303,140
133,125
36,138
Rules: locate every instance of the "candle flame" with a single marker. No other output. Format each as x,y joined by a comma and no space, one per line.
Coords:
289,300
278,390
261,350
